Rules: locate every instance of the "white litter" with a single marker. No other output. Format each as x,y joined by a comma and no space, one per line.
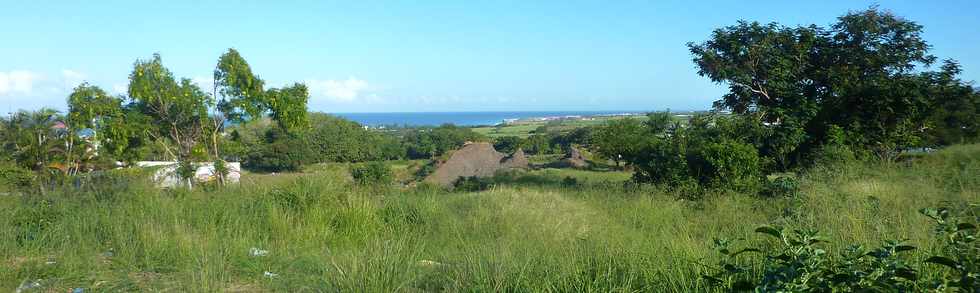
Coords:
257,252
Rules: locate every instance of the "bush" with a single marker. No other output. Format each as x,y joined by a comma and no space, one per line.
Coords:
661,162
372,173
282,155
781,187
507,144
727,164
14,178
472,184
798,262
831,156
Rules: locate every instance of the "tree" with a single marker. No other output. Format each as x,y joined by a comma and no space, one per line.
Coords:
336,139
859,73
241,91
178,110
507,144
287,106
92,110
619,139
424,143
244,98
34,140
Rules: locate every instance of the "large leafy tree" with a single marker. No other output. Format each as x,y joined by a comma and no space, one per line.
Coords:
241,91
620,140
860,74
178,109
287,106
244,98
91,111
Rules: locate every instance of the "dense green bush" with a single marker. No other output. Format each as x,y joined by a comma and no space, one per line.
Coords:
661,162
14,178
508,144
371,173
284,154
335,139
727,164
425,143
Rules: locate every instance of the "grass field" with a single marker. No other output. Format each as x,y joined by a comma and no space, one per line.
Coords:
524,129
531,232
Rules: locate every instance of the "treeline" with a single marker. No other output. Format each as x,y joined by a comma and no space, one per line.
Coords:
862,88
163,117
262,147
548,139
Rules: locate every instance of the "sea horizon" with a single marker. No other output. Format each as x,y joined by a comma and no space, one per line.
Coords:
464,118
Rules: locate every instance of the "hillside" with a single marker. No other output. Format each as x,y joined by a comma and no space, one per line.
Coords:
535,231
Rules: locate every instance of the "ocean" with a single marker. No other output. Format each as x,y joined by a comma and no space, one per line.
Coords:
461,118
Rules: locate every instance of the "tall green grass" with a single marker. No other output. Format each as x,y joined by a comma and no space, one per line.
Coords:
529,233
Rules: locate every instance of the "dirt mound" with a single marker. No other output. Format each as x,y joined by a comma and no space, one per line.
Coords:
573,159
478,159
517,160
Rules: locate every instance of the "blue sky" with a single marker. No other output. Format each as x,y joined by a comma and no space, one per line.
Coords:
402,56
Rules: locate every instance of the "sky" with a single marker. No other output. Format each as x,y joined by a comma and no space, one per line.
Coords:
430,56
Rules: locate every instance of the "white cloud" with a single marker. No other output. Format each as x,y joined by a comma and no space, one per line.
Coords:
205,83
18,81
72,78
345,91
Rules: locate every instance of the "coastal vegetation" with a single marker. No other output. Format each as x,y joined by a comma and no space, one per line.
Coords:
839,160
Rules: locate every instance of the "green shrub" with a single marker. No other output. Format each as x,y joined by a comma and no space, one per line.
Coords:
283,155
727,164
798,262
371,173
14,178
831,156
472,184
661,162
781,186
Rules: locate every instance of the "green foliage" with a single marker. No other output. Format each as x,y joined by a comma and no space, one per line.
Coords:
242,91
507,144
245,99
727,164
620,139
335,139
288,106
281,152
177,110
539,144
372,173
426,143
662,162
15,178
960,252
862,73
781,186
472,184
799,262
